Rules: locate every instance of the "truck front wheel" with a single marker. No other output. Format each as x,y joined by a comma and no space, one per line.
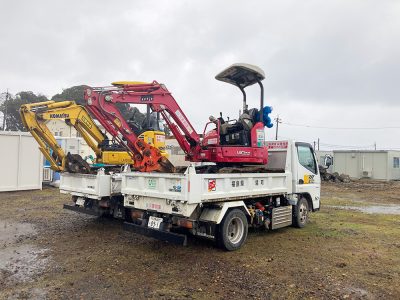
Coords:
300,213
233,230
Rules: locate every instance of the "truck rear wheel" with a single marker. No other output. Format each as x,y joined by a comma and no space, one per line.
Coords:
233,230
300,213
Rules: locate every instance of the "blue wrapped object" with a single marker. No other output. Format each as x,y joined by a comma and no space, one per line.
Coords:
56,176
266,118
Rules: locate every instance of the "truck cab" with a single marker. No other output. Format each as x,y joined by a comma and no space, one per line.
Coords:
222,203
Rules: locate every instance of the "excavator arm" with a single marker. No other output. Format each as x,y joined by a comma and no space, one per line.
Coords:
101,102
76,116
43,136
34,117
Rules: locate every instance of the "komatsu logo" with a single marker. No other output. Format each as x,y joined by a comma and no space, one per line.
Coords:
59,116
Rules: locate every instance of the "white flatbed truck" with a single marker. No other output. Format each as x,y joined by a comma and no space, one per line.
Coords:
221,206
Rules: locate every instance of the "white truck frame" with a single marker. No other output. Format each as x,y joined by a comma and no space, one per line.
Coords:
222,206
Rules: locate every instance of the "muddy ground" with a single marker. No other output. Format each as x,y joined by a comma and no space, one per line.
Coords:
345,252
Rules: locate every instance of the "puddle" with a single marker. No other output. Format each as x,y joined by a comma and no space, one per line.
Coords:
20,260
373,209
11,232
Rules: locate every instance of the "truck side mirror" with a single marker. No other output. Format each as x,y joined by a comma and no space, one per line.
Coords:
328,160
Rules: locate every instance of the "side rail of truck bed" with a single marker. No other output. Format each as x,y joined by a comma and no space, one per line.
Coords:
195,188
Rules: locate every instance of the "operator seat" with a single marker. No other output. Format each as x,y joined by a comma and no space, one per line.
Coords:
253,113
237,133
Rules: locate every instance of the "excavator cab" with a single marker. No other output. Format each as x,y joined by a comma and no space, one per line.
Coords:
147,126
240,132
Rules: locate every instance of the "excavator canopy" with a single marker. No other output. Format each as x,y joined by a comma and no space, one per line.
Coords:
241,75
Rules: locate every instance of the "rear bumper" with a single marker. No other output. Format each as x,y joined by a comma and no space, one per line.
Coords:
83,210
171,237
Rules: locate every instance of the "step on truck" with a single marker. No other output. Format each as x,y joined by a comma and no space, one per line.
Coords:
221,203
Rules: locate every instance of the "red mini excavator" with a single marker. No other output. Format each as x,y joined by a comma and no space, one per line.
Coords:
230,143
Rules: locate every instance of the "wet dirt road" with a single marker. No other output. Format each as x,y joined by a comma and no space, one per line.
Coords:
47,253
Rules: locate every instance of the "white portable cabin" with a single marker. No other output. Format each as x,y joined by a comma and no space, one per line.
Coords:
21,162
75,145
374,164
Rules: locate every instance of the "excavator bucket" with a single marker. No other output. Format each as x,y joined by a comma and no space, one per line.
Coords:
166,166
76,164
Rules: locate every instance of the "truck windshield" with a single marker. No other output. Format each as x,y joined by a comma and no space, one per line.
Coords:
306,158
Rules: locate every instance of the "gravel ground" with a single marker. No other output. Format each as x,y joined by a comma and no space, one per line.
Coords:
47,253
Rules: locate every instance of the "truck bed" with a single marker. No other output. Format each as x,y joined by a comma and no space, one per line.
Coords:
90,186
193,188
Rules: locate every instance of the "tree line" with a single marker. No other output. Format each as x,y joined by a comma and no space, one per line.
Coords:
10,104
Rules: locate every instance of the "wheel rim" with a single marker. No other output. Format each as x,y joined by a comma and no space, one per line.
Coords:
235,230
303,213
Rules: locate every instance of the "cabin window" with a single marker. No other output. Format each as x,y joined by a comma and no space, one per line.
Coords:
396,162
306,158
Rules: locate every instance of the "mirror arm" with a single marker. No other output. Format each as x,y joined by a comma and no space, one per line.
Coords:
262,100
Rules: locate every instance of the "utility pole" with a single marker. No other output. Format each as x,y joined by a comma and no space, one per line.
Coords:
318,144
278,120
5,112
314,146
375,145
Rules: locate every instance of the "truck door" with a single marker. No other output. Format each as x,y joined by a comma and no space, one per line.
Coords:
308,179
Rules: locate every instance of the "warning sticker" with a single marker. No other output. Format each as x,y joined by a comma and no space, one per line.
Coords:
152,183
184,121
260,137
212,185
308,179
176,186
277,144
86,122
160,138
212,141
117,122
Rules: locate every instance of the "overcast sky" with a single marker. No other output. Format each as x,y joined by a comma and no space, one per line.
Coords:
327,63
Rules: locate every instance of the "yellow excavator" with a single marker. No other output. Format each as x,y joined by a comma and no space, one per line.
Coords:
35,116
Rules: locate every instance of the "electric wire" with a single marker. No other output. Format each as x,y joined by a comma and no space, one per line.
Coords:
341,128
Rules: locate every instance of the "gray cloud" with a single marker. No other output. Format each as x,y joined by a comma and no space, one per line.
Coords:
321,54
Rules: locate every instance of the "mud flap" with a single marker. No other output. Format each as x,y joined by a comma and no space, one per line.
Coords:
171,237
83,210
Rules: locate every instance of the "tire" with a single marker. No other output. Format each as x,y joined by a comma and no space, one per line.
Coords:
233,230
300,213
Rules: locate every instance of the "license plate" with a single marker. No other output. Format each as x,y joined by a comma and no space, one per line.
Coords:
154,222
80,202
